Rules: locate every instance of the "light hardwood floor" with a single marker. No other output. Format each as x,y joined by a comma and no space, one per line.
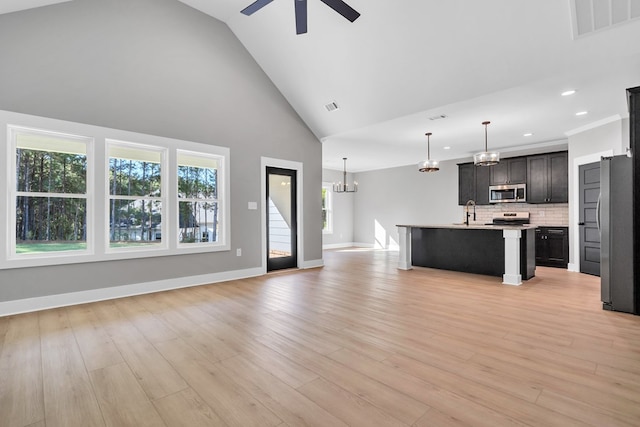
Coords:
357,342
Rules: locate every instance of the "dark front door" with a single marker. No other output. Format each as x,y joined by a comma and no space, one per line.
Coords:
282,221
589,188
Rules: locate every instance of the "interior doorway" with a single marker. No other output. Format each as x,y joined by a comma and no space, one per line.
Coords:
281,218
589,193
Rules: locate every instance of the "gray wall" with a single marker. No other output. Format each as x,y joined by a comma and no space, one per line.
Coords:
342,234
586,147
162,68
403,195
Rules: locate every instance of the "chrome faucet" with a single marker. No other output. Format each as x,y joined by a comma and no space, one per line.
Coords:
466,210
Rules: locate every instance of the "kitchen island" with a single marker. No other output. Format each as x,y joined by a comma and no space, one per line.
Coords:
506,251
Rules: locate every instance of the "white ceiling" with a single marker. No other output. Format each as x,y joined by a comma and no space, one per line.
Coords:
404,61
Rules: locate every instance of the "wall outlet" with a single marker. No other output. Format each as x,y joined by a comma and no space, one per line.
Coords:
252,206
238,252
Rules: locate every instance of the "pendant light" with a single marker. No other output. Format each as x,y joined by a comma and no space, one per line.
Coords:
343,187
428,165
486,158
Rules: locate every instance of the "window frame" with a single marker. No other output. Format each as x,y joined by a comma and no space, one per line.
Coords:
109,143
329,207
219,190
98,193
13,193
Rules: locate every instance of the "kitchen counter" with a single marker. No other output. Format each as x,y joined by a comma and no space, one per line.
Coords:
473,226
497,250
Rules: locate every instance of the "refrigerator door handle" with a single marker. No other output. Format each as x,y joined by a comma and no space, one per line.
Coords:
598,212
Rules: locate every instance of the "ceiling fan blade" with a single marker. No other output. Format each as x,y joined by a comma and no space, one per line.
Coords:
255,6
301,16
343,9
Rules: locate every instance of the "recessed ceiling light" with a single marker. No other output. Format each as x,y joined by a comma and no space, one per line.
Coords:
568,92
581,113
446,148
528,134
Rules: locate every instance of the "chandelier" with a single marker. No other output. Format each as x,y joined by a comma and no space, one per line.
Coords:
486,158
342,186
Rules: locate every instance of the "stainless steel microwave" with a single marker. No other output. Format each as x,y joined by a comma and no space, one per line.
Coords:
509,193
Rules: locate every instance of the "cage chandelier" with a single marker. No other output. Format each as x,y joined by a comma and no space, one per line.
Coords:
486,157
342,186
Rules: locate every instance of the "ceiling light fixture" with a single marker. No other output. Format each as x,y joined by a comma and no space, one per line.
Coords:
568,92
582,113
446,148
428,165
486,157
343,187
528,134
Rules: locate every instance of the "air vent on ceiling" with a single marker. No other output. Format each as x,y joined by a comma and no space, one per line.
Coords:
596,15
332,106
438,117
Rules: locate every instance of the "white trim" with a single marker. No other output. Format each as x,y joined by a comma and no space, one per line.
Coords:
365,245
338,245
573,267
285,164
313,263
594,125
574,248
97,206
27,305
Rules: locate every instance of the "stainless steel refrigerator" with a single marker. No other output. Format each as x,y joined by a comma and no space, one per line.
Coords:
615,214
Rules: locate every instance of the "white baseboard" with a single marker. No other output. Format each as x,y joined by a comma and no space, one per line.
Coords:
315,263
338,245
62,300
364,245
573,267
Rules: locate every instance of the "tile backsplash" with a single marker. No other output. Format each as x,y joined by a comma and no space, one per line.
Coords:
541,214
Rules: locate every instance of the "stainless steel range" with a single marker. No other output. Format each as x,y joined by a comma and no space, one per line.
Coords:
510,218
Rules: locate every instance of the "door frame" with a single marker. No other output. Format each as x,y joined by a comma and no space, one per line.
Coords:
284,164
574,234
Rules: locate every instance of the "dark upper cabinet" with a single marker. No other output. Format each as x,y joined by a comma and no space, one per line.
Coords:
483,177
509,171
473,184
548,178
466,183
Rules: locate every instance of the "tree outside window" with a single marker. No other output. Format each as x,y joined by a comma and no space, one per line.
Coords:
50,192
135,196
198,205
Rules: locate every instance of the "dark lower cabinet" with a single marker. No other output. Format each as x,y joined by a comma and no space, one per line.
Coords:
479,251
552,246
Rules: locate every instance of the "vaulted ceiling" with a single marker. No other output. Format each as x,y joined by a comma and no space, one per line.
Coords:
403,63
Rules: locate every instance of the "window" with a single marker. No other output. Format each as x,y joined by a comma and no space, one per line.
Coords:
327,207
198,206
107,195
135,196
51,197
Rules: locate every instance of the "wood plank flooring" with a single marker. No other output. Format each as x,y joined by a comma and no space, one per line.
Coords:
356,343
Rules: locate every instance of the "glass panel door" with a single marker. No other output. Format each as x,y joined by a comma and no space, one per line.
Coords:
281,219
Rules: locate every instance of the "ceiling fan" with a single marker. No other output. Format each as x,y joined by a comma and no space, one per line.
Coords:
301,11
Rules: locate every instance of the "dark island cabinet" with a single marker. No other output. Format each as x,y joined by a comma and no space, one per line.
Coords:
552,246
473,184
548,178
509,171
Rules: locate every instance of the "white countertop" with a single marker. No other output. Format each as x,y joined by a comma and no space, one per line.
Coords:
471,226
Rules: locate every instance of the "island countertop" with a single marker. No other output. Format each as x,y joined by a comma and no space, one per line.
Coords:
496,250
472,226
